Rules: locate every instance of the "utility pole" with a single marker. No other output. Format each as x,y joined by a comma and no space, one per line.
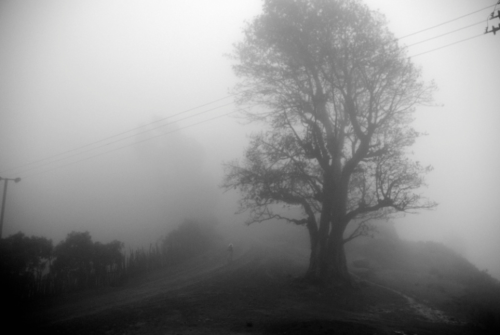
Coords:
493,16
4,198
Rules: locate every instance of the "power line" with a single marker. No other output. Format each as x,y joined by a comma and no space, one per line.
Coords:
116,135
447,33
121,139
135,143
450,32
206,104
448,45
443,23
124,138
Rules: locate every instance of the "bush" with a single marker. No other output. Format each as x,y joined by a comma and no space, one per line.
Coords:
23,261
189,239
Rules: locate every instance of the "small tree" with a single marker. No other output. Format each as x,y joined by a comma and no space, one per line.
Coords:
23,260
106,259
73,259
338,94
191,238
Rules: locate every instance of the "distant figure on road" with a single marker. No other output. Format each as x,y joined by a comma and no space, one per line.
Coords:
229,253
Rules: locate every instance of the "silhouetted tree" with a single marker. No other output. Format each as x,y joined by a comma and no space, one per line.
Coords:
73,260
106,260
189,239
23,261
338,94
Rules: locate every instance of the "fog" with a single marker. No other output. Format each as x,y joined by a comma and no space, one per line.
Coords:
116,115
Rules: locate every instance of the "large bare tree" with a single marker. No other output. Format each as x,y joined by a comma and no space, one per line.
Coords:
337,93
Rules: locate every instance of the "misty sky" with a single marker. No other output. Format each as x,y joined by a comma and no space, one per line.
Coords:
73,74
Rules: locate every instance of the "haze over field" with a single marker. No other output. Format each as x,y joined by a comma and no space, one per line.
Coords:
75,74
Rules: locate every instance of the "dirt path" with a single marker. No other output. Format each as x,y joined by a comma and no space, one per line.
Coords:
429,313
157,283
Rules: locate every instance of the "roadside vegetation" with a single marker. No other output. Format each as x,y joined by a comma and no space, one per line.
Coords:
429,273
32,268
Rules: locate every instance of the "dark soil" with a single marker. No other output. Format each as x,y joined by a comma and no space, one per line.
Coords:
258,293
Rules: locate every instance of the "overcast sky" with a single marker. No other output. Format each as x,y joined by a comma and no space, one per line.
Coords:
73,74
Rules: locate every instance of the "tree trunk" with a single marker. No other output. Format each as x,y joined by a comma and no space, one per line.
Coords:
337,265
312,273
328,263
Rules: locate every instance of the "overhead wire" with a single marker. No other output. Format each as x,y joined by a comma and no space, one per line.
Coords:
446,22
135,143
89,145
124,138
447,45
450,32
119,134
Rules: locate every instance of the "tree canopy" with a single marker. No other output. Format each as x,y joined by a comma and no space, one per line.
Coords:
338,94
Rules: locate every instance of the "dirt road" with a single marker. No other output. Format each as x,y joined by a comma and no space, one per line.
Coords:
256,294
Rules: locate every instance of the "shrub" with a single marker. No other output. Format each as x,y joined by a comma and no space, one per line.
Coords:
189,239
